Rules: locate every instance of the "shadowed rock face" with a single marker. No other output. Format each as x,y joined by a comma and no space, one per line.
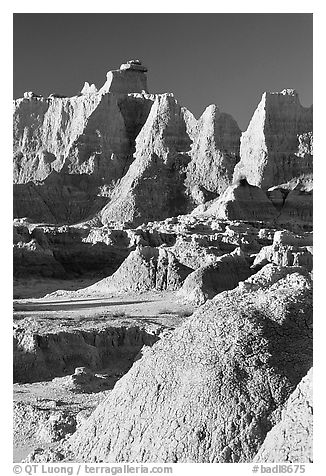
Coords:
290,441
70,152
207,392
50,251
42,355
277,146
298,207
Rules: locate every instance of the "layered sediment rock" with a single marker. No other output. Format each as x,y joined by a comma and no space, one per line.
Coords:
70,154
122,155
44,354
277,146
208,392
53,251
298,207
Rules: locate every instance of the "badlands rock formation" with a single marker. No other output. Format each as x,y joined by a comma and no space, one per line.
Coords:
215,152
287,250
163,278
277,146
120,154
153,186
130,77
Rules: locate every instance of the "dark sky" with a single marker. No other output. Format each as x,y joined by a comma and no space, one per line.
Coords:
225,59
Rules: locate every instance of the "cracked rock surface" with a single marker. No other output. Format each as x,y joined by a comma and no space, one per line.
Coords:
209,391
290,441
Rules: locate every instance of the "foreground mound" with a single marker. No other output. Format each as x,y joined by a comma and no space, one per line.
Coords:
208,392
290,441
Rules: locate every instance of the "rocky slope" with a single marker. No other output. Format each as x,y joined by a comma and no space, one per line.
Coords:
129,214
222,273
208,392
290,441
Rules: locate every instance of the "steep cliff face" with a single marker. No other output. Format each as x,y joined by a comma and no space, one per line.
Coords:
43,355
123,155
84,134
215,151
70,152
277,146
44,131
154,187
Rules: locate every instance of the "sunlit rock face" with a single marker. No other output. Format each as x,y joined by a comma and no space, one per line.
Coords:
70,152
277,146
130,78
215,150
124,156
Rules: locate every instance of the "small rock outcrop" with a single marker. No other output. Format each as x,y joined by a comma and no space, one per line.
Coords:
144,269
290,441
277,145
223,273
287,249
130,78
241,201
89,89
